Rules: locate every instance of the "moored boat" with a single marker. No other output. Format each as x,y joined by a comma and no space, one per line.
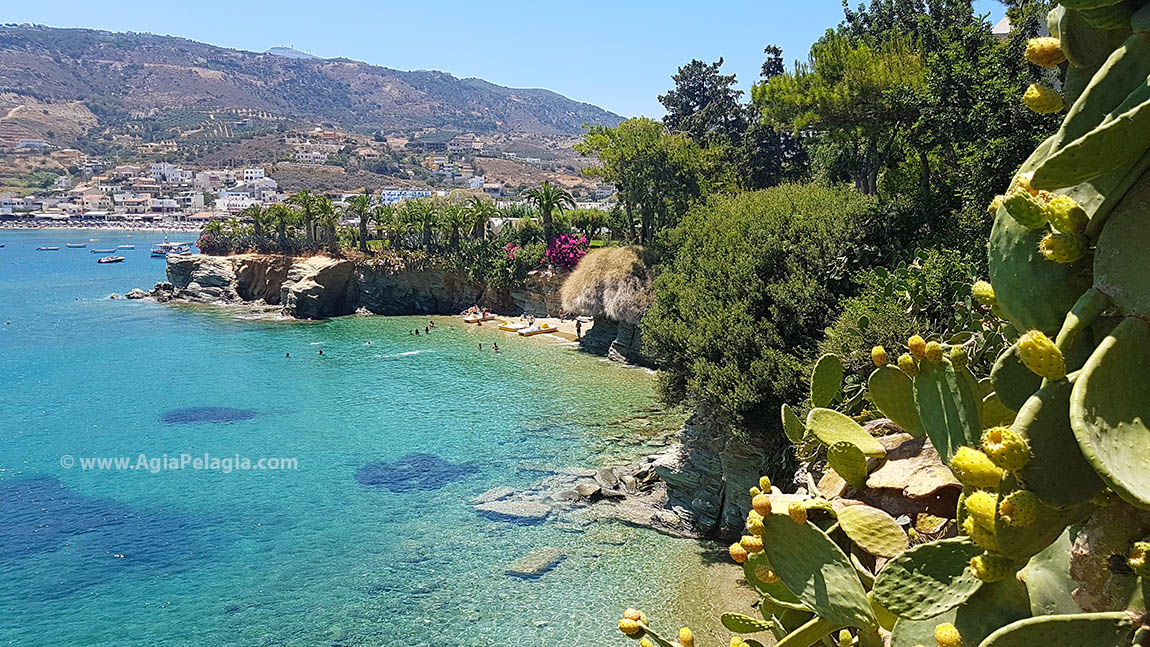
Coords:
165,248
103,251
47,249
110,259
76,245
125,247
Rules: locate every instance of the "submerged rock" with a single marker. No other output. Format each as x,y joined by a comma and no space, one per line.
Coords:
213,415
536,563
524,512
413,472
494,494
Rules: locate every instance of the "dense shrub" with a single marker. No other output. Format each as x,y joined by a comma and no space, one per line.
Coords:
754,280
610,282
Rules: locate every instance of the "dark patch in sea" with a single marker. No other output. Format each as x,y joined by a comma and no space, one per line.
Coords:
211,415
103,538
413,472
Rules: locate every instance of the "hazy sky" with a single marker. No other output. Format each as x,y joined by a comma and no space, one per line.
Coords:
619,55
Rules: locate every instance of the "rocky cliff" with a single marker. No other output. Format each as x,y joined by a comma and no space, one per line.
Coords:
319,287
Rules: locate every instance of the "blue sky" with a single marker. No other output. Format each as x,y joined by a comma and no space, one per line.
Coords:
619,55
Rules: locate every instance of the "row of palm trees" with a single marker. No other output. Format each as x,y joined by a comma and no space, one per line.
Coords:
410,224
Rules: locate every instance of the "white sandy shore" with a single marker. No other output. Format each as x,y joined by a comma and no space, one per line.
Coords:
563,329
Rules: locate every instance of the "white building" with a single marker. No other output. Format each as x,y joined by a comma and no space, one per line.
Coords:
393,196
235,204
251,174
311,157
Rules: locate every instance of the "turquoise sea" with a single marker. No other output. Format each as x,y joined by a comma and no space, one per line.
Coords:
344,550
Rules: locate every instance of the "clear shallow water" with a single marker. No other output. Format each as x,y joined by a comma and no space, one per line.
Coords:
311,556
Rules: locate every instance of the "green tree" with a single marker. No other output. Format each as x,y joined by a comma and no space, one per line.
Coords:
658,175
255,213
282,218
384,217
481,210
453,218
704,105
307,203
359,207
548,199
326,220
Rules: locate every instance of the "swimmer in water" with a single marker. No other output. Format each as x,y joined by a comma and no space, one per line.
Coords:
479,346
495,347
321,351
286,355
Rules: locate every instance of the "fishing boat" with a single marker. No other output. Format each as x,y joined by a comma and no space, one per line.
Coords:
125,247
165,248
110,259
75,245
103,251
47,249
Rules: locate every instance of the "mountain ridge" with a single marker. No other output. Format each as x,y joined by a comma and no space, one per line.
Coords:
118,74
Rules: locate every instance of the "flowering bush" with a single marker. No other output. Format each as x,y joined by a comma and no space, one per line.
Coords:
566,251
511,249
213,244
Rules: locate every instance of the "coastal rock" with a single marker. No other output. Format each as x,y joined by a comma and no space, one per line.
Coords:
494,494
539,294
319,287
200,278
136,293
536,562
589,491
429,291
606,477
523,512
260,277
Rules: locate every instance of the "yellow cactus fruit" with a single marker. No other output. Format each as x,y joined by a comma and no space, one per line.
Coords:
1045,52
635,614
878,356
917,346
765,484
1005,448
981,535
990,567
974,469
1025,208
737,641
1041,356
738,553
762,504
752,543
686,638
631,628
933,352
1066,215
755,525
1022,181
1137,559
959,356
995,205
907,365
1063,248
797,512
754,491
947,635
1019,508
983,292
1042,99
646,642
980,506
845,638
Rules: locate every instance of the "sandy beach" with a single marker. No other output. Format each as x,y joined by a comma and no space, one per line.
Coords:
564,329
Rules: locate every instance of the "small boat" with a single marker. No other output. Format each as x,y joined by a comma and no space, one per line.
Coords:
93,240
47,249
477,317
125,247
537,329
163,249
75,245
512,326
110,259
1,244
103,251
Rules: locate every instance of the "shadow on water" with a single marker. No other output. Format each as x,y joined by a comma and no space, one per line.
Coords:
413,472
208,415
102,537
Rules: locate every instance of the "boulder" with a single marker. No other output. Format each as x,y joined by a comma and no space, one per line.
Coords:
494,494
523,512
536,562
319,287
589,491
607,477
136,293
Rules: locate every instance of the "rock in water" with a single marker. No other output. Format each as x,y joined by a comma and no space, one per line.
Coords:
536,563
413,472
522,512
136,293
494,494
214,415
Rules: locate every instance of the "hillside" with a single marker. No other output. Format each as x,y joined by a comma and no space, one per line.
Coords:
121,75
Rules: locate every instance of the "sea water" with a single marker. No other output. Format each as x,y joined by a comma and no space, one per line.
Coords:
364,536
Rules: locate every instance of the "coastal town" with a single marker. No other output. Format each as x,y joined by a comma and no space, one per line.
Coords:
93,191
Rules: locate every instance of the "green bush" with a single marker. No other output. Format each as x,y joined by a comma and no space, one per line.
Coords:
752,282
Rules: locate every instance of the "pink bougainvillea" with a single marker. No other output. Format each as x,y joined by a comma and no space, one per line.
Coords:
566,251
511,249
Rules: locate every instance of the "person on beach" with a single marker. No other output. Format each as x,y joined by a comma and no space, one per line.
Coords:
578,329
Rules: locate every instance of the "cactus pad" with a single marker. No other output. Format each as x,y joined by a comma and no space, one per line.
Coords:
1013,382
792,426
928,579
872,530
817,572
893,393
947,407
774,592
1057,472
832,427
1110,411
742,624
995,413
1074,630
1047,579
1120,267
826,380
848,461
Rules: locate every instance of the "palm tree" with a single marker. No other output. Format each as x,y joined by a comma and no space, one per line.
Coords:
306,202
383,215
327,219
547,199
481,212
360,206
281,218
453,218
256,213
421,213
213,226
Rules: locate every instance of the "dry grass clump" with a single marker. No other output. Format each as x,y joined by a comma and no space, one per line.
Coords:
609,282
